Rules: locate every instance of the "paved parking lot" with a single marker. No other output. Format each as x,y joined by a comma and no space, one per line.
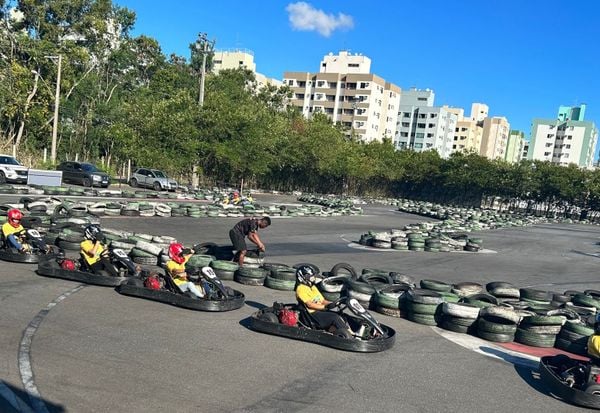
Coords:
98,351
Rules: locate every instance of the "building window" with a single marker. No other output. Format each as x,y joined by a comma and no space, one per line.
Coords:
422,115
421,125
549,144
323,64
342,85
431,125
404,134
569,137
568,146
433,115
320,83
333,85
462,129
565,155
405,124
430,135
353,65
418,145
364,85
420,135
422,99
550,135
406,114
241,63
546,153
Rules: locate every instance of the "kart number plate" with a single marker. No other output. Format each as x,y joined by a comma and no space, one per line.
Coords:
34,233
356,305
120,253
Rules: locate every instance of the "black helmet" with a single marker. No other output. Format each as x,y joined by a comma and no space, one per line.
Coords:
304,273
93,233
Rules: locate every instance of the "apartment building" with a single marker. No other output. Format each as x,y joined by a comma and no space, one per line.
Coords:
515,146
564,140
494,137
348,94
469,129
236,58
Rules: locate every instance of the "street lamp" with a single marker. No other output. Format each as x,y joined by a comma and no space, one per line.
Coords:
204,47
56,105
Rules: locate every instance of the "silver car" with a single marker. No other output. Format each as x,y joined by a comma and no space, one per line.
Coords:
152,178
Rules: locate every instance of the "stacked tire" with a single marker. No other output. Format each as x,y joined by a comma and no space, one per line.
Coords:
390,300
422,306
459,317
497,324
225,270
539,330
283,279
416,242
573,337
250,276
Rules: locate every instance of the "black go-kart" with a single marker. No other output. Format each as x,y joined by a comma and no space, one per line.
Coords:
34,245
218,297
368,336
574,381
124,266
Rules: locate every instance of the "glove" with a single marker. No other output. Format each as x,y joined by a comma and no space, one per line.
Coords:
186,251
331,306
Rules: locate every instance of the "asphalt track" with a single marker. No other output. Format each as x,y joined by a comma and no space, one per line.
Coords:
97,351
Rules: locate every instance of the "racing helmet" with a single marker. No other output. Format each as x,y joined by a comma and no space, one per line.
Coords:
176,253
305,274
152,283
93,233
14,217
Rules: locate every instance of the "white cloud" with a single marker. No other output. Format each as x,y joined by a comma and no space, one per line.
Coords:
304,16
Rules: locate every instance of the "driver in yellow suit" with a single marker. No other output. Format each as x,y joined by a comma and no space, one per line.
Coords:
593,344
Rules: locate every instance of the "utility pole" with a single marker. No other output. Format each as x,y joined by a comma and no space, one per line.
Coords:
56,106
203,46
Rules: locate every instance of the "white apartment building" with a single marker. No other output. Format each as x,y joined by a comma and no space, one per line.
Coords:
421,126
563,142
236,58
515,146
348,94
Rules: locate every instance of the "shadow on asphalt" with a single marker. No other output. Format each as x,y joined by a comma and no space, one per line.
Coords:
257,305
32,402
589,254
526,368
245,322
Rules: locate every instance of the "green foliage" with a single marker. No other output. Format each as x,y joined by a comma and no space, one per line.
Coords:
122,99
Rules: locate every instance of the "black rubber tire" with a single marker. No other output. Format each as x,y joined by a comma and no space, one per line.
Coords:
575,348
133,183
578,328
492,324
543,320
427,309
68,246
335,270
86,182
399,278
447,324
361,287
279,284
484,297
284,274
435,285
130,213
535,340
428,320
156,186
334,284
424,296
573,337
376,279
496,337
537,295
248,280
247,272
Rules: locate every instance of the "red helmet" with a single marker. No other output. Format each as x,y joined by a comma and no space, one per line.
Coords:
288,317
175,253
68,265
14,217
152,283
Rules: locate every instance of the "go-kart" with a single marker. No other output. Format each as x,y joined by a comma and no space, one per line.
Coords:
217,297
368,334
124,266
34,245
574,381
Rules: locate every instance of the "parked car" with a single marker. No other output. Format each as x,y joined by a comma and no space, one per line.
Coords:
152,178
83,173
12,171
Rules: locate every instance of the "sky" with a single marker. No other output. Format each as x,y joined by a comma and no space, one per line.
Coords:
522,58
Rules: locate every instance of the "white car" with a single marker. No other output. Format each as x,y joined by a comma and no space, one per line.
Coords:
12,171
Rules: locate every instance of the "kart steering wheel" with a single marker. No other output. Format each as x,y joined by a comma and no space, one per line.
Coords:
340,303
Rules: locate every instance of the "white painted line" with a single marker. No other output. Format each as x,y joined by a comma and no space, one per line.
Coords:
24,358
494,351
7,394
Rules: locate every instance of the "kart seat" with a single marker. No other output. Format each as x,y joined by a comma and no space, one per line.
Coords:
305,316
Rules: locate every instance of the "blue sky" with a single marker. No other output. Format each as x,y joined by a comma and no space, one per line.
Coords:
523,58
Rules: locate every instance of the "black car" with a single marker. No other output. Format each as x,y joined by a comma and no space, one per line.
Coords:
83,173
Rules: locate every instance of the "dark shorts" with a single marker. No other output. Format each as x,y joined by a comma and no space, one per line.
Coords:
238,240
